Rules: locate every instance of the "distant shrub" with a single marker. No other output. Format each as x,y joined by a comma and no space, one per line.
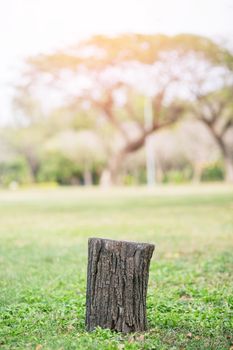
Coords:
129,180
178,176
142,178
213,172
134,178
14,171
55,167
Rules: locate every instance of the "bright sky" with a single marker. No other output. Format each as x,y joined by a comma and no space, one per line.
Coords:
33,26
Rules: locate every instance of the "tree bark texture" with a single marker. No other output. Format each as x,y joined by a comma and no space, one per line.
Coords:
117,279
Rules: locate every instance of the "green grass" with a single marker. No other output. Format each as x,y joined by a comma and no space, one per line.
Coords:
43,255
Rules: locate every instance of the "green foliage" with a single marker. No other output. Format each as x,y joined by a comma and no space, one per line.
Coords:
55,167
15,171
134,178
178,176
129,180
213,172
43,251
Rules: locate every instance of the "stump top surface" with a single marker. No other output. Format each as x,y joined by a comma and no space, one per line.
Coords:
122,241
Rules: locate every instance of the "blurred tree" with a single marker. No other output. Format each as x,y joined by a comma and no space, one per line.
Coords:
107,76
197,146
83,148
215,110
55,167
107,91
26,141
210,83
14,171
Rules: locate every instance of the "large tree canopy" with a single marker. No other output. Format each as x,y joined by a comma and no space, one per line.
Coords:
108,76
100,51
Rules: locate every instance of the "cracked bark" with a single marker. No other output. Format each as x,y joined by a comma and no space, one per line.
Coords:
117,279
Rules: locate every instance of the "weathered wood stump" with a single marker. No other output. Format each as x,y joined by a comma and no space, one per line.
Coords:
117,279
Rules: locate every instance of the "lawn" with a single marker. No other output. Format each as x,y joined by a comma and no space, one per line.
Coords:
43,256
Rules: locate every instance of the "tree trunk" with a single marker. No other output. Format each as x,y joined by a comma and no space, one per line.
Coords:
115,166
228,168
87,177
117,279
33,164
228,161
227,157
118,158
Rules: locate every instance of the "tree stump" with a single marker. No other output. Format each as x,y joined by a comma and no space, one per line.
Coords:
117,279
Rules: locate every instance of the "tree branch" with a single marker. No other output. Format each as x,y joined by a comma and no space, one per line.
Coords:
107,108
228,124
140,141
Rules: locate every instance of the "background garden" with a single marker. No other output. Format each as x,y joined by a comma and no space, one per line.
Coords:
128,109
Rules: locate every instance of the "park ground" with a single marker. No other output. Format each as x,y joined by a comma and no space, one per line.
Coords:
43,257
